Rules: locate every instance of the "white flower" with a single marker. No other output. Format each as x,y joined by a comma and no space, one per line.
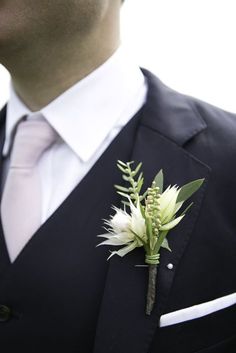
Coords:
169,207
120,222
125,229
138,225
167,203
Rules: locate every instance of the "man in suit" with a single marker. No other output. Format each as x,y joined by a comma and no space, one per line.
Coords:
76,90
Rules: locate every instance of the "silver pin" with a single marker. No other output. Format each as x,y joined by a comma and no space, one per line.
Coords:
170,266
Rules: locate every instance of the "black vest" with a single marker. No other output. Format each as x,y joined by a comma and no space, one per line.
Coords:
54,288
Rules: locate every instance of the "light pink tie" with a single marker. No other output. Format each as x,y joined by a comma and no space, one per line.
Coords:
21,199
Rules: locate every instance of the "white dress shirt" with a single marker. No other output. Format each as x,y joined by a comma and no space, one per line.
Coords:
87,117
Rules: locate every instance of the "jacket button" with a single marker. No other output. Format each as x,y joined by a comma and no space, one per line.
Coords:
5,313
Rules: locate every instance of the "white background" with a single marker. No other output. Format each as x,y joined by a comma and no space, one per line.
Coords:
189,44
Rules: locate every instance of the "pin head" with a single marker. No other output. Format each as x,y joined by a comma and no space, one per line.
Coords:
170,266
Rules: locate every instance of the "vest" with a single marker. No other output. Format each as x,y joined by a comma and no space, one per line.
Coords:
51,294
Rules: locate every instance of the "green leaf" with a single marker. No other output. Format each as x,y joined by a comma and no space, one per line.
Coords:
142,197
186,209
160,240
123,170
121,163
139,186
189,189
121,188
129,163
123,194
142,209
171,224
135,172
123,251
140,177
159,179
138,237
165,244
126,178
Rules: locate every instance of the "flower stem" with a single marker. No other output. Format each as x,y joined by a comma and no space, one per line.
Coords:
151,293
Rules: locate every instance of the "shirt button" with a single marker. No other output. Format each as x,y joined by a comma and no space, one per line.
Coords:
5,313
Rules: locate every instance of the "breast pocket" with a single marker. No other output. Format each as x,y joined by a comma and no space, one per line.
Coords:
199,335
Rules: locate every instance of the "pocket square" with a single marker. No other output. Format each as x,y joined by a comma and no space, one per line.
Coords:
197,311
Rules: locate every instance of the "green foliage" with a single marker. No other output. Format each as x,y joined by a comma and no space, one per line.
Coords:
135,180
189,189
152,215
165,244
159,180
157,226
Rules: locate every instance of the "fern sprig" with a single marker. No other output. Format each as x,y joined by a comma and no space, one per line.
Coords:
135,181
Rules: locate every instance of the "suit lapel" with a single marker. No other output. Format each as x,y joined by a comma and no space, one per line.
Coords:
168,123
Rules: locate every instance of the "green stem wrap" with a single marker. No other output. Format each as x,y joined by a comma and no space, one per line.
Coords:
152,261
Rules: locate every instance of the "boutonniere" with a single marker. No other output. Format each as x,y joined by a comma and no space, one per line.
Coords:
146,219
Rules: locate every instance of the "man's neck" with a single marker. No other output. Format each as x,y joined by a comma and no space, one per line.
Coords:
39,84
42,73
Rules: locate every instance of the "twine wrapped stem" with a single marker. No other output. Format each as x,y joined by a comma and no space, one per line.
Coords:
152,261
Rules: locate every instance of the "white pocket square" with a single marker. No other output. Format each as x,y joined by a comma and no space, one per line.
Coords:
196,311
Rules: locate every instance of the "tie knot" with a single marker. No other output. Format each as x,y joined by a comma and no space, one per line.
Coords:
32,138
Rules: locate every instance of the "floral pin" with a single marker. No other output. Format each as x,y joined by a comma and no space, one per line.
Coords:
150,217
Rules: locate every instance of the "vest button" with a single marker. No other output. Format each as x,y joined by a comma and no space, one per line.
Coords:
5,313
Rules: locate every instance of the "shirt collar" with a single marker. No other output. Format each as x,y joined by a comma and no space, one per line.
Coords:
85,114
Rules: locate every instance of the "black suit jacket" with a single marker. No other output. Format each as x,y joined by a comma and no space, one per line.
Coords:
62,294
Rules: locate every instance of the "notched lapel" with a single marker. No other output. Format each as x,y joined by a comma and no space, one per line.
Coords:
123,325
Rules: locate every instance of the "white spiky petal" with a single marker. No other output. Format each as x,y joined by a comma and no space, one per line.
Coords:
138,225
168,204
123,229
120,222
